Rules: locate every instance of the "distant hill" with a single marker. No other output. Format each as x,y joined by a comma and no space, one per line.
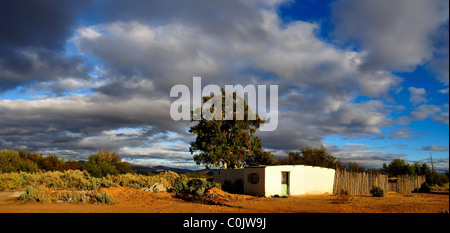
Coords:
158,169
142,169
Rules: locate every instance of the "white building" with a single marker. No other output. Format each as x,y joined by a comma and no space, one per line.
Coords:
280,180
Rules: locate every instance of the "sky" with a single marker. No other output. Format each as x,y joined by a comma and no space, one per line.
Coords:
369,80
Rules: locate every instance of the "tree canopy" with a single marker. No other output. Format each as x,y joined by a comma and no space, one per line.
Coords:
228,143
313,156
103,163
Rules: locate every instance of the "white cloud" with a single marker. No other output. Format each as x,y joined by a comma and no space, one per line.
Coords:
141,50
417,95
438,114
364,155
443,91
435,148
402,133
396,34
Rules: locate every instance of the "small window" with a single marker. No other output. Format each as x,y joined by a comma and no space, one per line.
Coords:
253,178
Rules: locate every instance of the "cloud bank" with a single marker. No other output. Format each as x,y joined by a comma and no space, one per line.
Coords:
100,72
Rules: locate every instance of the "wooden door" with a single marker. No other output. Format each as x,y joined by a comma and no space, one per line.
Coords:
285,183
392,186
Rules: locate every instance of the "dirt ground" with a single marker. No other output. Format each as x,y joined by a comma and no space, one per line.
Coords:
128,200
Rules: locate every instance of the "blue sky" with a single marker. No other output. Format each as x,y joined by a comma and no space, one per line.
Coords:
366,79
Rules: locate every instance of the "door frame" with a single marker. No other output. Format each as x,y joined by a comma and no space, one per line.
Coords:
285,182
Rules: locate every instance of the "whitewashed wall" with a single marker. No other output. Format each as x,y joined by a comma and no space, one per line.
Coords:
303,179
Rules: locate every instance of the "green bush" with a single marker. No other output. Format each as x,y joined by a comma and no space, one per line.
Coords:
425,188
180,185
196,187
10,161
103,163
436,187
37,194
73,197
377,191
10,181
167,178
103,198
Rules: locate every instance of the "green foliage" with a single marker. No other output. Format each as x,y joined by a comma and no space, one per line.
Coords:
433,178
180,185
354,167
21,160
311,156
377,191
103,163
398,167
82,180
10,181
195,187
228,143
425,188
131,180
261,158
73,197
343,198
50,162
10,161
36,194
43,194
103,198
167,179
401,167
443,187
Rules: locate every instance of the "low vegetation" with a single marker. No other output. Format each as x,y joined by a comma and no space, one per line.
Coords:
52,180
377,191
80,186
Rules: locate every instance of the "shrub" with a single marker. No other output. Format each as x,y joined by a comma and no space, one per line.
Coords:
103,163
103,198
10,181
180,185
37,194
425,188
52,180
377,191
131,180
69,197
10,161
167,178
443,187
343,197
196,187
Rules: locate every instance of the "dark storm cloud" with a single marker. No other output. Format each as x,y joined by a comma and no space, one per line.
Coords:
395,34
138,50
36,65
36,31
37,23
84,123
232,19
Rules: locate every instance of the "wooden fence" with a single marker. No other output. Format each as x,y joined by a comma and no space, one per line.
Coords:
407,184
355,183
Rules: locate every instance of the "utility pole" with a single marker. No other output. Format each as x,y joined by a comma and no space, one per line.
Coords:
432,164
